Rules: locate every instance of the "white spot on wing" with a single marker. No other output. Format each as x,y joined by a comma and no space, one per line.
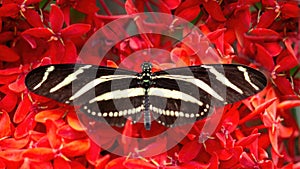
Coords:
174,94
96,82
70,78
246,76
199,83
46,74
118,94
221,78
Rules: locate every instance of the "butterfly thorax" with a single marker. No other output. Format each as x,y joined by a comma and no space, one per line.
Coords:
146,76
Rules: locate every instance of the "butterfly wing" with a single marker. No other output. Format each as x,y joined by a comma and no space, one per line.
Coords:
91,87
186,94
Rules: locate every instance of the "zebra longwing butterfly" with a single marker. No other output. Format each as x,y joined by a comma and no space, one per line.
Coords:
179,94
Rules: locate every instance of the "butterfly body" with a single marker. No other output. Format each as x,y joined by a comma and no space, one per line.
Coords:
171,97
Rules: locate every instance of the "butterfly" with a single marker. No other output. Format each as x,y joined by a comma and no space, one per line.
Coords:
172,97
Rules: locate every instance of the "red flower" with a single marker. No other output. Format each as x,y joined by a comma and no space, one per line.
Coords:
58,37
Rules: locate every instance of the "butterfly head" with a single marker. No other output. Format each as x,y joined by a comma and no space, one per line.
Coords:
146,67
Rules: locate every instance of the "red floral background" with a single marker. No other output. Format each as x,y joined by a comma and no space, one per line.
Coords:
259,132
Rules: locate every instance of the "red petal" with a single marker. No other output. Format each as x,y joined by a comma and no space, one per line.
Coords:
264,58
214,146
31,2
288,104
189,13
39,154
86,7
7,79
127,132
19,85
157,147
22,109
43,142
25,126
8,55
130,7
225,154
215,34
273,135
77,165
274,48
245,141
66,12
53,115
266,164
31,40
246,161
70,53
286,61
214,161
263,154
284,85
35,136
268,3
231,119
138,163
38,33
93,154
189,151
116,163
12,143
59,162
241,23
67,132
75,30
9,101
102,162
56,18
11,71
111,63
186,4
2,164
214,10
76,148
54,139
236,151
11,9
6,36
57,51
290,10
267,18
33,18
180,57
285,132
5,124
74,122
263,35
172,4
261,108
194,164
12,155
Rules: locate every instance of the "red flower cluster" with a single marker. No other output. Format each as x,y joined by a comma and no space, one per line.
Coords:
259,132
